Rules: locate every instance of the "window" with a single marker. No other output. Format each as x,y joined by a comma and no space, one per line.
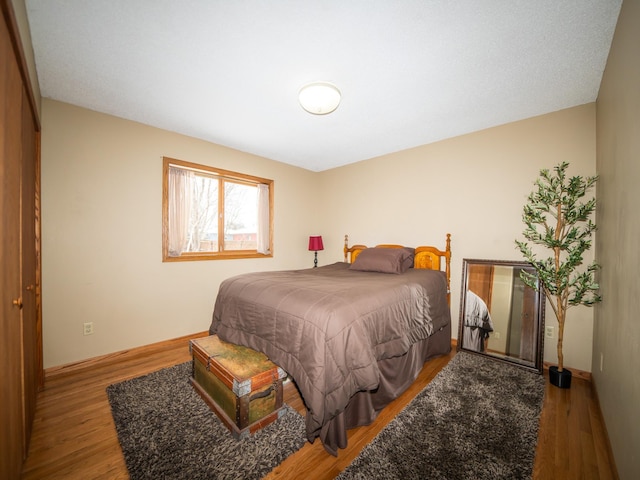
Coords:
209,213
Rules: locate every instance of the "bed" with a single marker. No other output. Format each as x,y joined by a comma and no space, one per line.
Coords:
352,335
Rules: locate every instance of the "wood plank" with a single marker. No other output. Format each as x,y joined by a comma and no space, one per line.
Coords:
74,435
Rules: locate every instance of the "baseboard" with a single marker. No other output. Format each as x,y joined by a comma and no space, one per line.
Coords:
123,354
574,372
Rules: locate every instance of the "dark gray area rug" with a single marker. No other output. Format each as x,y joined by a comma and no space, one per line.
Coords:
477,419
166,431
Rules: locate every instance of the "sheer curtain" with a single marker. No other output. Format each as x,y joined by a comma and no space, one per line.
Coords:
263,219
180,200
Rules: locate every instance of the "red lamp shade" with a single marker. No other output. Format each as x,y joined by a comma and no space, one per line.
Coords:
315,243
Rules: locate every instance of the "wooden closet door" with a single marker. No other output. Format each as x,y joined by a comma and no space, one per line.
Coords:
31,334
21,372
12,439
480,282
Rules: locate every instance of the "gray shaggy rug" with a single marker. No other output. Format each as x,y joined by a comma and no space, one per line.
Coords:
477,419
166,431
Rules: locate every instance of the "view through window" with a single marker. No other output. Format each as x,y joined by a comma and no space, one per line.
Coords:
210,213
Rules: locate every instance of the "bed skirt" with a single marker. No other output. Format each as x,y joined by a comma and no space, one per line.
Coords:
397,374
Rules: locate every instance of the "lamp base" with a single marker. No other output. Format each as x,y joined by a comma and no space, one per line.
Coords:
315,260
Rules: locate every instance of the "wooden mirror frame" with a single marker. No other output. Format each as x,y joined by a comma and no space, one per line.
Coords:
500,297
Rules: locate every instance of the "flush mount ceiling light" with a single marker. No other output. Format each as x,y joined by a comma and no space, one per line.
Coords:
319,98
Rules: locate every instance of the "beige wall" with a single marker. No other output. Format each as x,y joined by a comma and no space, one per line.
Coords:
474,187
101,231
101,201
617,327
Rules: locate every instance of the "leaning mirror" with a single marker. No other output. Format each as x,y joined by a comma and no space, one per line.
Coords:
499,315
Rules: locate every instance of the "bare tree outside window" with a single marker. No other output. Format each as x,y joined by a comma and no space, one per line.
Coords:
203,218
241,216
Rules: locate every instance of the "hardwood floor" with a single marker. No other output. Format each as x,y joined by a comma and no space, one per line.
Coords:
74,436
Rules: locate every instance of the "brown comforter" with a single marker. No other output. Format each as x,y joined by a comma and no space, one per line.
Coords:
327,327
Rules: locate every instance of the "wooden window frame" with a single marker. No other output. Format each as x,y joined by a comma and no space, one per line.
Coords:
224,174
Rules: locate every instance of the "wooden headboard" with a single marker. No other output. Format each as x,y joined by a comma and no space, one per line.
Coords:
425,257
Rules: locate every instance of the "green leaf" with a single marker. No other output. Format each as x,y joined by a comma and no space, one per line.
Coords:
558,218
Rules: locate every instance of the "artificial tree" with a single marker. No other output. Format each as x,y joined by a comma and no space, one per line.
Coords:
556,218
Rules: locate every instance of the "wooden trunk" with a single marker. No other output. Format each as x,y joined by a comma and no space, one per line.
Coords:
242,386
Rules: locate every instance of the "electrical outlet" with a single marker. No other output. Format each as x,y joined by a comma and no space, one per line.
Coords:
88,328
549,332
496,335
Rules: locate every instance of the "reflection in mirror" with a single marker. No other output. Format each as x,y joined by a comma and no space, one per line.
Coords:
499,315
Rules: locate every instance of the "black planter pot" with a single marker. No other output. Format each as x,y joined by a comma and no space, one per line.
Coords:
560,379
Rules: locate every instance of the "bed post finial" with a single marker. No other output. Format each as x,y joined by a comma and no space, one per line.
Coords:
346,246
448,267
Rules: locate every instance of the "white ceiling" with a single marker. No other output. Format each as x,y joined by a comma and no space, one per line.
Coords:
411,72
